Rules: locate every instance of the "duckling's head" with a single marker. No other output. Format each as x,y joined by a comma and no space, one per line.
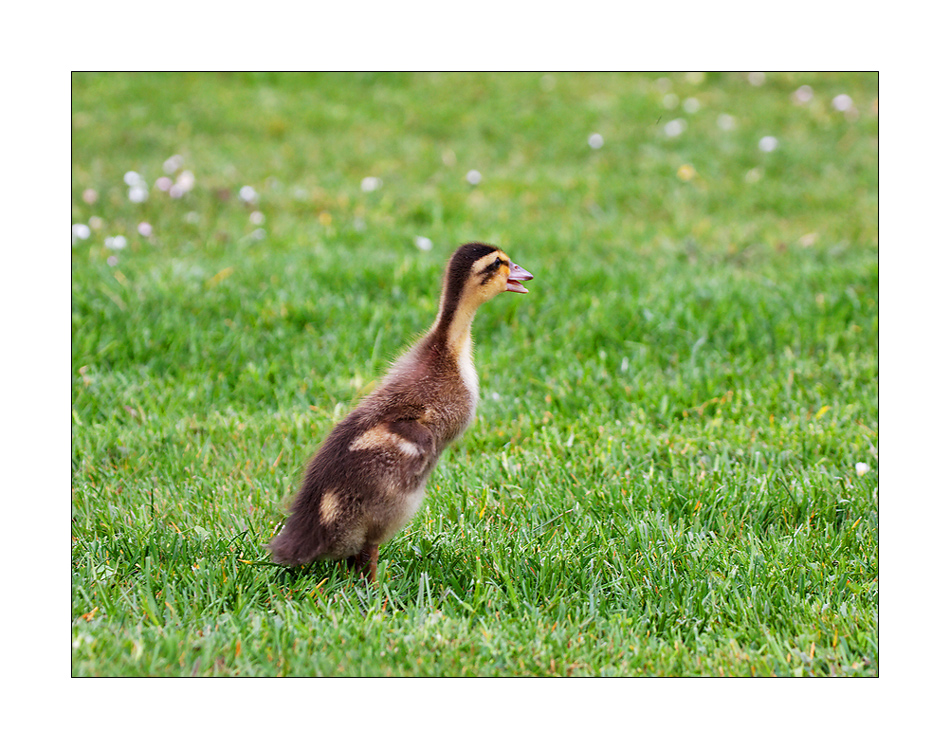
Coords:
478,272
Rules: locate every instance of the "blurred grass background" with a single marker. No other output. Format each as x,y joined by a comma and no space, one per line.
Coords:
664,476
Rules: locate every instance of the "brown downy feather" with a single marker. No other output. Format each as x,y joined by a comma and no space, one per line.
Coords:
368,478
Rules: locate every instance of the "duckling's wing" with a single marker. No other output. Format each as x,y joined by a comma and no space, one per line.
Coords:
415,435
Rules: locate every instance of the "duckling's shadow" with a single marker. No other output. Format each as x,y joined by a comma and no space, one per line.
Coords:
442,564
334,572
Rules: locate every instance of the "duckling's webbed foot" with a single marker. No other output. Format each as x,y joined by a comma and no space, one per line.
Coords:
364,563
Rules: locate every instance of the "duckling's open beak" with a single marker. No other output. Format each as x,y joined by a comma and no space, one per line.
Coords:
516,275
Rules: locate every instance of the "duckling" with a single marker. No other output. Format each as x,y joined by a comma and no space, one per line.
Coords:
368,478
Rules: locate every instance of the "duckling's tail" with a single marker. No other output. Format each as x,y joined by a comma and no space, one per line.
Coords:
297,543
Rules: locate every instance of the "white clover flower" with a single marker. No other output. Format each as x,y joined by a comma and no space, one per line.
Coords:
257,217
842,102
753,175
596,140
133,178
112,260
423,243
145,229
726,122
861,468
164,184
90,196
671,101
369,184
138,194
802,95
173,164
473,177
248,194
691,105
80,231
185,181
675,127
117,242
768,144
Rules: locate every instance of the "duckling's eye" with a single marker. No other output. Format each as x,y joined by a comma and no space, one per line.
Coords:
497,264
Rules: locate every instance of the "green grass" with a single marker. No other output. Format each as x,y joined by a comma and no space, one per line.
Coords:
661,478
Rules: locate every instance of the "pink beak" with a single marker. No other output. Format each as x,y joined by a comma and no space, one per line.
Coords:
517,275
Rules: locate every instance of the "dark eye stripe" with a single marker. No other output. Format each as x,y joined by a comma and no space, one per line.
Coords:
491,267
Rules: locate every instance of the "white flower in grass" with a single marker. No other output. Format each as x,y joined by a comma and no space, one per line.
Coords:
117,242
138,194
133,178
248,194
80,231
423,243
768,144
671,101
753,175
173,164
842,102
473,177
596,140
96,223
756,79
802,95
257,217
861,468
369,184
112,261
675,127
186,179
90,196
164,184
691,105
726,122
145,229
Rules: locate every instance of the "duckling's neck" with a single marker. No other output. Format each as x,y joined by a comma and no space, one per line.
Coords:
452,332
454,325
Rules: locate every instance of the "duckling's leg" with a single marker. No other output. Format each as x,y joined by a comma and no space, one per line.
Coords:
364,563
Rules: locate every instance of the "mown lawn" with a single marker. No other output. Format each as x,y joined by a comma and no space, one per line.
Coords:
674,466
